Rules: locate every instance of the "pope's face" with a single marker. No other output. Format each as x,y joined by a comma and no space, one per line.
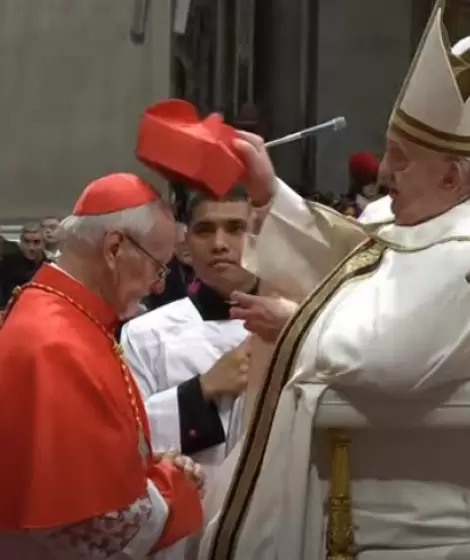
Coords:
422,183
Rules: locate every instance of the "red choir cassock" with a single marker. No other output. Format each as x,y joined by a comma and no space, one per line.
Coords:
74,433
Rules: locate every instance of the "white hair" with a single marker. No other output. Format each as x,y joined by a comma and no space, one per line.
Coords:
90,230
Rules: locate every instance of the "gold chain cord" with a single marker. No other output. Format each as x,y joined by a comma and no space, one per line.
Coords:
116,347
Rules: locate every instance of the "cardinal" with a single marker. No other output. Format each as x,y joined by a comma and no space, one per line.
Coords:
79,479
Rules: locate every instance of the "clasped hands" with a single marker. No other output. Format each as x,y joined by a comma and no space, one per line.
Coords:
190,468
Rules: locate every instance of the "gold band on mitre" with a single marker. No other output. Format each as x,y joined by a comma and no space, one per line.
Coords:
424,135
432,108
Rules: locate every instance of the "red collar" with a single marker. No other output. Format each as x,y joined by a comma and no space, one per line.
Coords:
56,278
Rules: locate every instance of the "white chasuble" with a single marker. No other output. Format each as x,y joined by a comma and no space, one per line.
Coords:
397,332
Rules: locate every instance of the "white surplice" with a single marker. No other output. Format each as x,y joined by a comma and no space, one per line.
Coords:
168,346
402,332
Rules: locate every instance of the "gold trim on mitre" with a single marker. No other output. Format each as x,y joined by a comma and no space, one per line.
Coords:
433,107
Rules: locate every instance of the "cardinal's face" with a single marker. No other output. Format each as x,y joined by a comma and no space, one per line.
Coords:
137,265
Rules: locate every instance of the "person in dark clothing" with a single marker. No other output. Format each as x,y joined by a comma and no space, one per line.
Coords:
18,265
7,248
180,276
363,171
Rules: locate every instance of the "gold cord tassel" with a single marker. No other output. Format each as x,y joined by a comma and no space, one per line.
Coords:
340,531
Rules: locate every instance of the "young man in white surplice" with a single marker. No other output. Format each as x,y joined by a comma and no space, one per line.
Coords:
192,399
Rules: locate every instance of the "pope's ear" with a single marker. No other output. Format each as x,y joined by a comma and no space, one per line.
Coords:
455,176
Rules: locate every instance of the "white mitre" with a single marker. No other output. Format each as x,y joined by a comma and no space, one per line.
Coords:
433,108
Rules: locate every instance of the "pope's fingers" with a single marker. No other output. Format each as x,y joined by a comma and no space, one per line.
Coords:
243,300
252,138
251,157
264,330
243,314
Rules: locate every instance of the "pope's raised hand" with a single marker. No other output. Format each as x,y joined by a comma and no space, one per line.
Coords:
259,176
229,375
263,315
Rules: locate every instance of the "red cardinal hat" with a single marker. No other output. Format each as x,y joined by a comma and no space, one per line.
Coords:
176,142
364,164
118,191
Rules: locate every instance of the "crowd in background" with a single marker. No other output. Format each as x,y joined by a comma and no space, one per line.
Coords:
38,243
364,186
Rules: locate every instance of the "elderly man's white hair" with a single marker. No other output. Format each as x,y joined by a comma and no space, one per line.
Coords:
89,230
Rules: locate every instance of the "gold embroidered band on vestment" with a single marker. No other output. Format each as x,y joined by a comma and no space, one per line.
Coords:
362,260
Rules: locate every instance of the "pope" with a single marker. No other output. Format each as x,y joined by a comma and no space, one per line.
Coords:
383,319
79,479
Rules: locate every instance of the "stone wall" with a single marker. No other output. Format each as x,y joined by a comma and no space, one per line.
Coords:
72,89
364,49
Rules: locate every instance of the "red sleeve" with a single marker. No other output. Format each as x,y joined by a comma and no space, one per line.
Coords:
184,504
68,433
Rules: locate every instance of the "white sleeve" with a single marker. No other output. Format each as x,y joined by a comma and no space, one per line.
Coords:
128,533
163,415
298,244
403,329
141,353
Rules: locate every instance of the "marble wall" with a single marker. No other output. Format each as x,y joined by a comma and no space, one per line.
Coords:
364,49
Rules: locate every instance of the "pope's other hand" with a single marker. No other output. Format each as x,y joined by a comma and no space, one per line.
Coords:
264,316
259,176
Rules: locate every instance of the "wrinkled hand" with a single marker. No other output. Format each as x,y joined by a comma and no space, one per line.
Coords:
191,469
263,315
229,375
259,176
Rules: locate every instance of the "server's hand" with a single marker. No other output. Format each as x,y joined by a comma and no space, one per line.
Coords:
229,375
